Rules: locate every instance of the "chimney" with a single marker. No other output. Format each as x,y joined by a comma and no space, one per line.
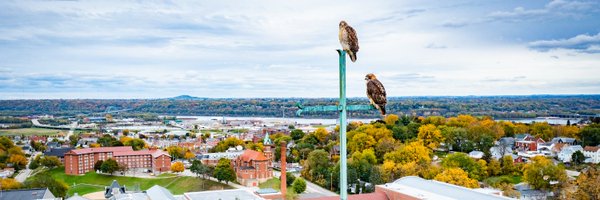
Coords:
283,169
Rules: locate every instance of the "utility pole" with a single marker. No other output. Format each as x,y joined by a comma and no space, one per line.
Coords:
342,109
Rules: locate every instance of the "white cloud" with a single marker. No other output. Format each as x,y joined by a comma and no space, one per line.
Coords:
583,43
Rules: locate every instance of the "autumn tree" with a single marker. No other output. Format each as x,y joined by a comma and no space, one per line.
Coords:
45,180
494,168
475,169
541,172
588,185
177,167
567,131
542,130
360,142
321,135
508,165
18,161
50,162
176,152
457,176
222,146
391,119
316,166
430,135
10,184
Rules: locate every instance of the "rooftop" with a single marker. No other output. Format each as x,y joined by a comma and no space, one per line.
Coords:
222,195
430,189
101,150
249,155
27,194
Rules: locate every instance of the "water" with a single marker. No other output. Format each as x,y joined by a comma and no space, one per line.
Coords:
274,119
550,120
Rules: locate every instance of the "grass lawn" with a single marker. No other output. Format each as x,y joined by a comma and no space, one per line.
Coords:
31,131
274,183
177,185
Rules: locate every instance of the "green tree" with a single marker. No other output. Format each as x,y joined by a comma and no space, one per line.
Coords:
508,165
590,135
494,168
577,158
45,180
98,165
299,185
541,172
289,178
316,166
224,171
475,169
50,162
297,134
109,166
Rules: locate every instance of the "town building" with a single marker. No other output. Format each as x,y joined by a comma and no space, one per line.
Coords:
567,152
526,142
58,152
592,153
28,194
81,161
253,167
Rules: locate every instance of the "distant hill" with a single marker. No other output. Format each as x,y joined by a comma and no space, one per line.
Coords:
186,97
496,106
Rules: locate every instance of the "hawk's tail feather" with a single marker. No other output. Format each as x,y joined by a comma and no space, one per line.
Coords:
382,109
352,56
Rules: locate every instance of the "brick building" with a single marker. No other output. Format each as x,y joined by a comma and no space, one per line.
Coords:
81,161
252,168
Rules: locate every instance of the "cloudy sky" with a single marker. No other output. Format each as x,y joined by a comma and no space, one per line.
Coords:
143,49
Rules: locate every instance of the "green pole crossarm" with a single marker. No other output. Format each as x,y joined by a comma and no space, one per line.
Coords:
337,108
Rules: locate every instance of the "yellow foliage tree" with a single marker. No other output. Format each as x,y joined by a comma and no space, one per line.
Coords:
189,155
411,152
125,139
567,131
94,145
430,135
457,176
391,119
10,184
321,135
360,142
18,161
177,167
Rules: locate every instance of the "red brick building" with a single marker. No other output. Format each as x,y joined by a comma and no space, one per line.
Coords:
253,167
81,161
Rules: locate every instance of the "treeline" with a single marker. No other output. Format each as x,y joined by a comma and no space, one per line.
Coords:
495,106
15,122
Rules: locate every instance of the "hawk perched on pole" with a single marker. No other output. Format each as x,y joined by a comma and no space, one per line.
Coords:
348,40
376,93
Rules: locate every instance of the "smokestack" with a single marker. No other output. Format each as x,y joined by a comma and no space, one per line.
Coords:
283,170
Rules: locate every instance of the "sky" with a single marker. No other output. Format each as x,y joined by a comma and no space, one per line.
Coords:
246,49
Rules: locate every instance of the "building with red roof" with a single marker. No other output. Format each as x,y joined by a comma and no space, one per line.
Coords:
252,168
81,161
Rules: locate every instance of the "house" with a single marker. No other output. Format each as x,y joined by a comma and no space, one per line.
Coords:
499,151
113,189
213,158
476,154
29,194
526,142
592,153
58,152
53,145
556,148
7,172
567,152
565,140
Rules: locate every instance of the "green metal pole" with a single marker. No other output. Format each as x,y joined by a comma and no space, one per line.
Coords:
343,167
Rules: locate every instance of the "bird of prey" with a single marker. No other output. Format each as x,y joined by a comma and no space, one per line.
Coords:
348,40
376,93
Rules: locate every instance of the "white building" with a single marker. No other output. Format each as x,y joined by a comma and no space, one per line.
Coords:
592,153
567,151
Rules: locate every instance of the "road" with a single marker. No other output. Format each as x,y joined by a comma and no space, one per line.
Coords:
23,174
313,190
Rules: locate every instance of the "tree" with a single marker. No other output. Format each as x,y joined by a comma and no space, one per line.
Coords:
297,134
567,131
109,166
475,169
360,142
588,184
391,119
18,161
322,135
123,167
135,143
177,167
457,176
189,155
541,172
176,152
430,135
316,166
98,165
508,165
222,146
224,171
45,180
50,162
542,130
126,132
494,168
577,158
73,139
289,178
590,135
10,184
299,185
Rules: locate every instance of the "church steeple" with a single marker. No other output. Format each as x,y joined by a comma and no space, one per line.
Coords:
267,140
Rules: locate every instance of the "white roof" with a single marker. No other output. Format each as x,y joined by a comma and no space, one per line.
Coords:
223,195
430,189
